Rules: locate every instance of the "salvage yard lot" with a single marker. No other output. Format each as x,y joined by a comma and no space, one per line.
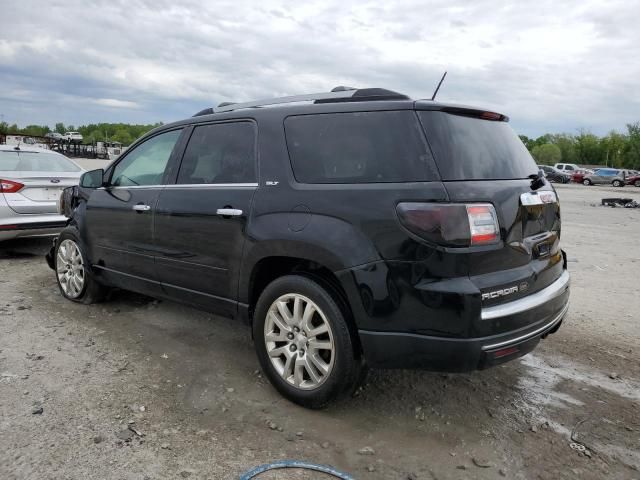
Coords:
188,386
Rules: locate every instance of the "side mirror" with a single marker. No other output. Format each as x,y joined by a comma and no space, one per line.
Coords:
92,178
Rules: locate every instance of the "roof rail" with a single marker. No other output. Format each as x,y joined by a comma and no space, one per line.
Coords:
338,94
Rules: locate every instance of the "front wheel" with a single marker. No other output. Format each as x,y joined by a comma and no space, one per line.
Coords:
75,281
304,343
637,183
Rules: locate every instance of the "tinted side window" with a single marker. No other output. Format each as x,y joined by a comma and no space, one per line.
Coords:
360,147
220,153
146,163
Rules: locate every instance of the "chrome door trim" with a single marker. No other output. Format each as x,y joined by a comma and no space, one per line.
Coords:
209,185
183,185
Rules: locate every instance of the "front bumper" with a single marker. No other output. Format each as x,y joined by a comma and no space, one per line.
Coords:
541,313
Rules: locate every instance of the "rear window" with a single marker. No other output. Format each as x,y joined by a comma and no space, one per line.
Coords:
358,147
14,161
468,148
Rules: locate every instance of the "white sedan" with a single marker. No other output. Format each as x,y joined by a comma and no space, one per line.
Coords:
31,181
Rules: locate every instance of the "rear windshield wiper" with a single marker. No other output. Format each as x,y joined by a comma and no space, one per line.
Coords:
537,180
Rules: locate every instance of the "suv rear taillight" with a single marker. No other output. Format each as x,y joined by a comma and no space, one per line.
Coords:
483,224
8,186
451,225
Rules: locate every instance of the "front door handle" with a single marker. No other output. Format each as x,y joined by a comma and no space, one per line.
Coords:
141,207
229,212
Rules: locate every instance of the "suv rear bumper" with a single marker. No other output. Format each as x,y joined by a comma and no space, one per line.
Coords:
545,311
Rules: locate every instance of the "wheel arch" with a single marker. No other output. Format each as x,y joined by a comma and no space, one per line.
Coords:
270,267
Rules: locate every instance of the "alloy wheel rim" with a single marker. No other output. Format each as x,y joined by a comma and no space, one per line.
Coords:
70,268
299,341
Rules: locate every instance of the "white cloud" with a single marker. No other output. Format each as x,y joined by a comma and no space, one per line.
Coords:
112,102
549,65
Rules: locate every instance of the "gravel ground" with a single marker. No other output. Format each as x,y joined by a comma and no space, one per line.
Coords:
140,389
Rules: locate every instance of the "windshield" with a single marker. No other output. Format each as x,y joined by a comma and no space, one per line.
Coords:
468,148
14,161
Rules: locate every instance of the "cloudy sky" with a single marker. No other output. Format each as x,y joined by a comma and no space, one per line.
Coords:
550,65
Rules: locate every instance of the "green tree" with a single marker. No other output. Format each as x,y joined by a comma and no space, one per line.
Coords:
547,154
613,146
60,128
588,149
122,136
567,145
632,147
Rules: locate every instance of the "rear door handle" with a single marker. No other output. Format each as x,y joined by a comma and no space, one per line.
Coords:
141,208
229,212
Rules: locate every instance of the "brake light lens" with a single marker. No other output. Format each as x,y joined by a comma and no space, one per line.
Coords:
483,224
451,225
9,186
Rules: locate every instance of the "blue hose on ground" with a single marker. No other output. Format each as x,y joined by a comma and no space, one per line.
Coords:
294,464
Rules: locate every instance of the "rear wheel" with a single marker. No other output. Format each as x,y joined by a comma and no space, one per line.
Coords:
637,183
586,181
73,275
617,183
303,342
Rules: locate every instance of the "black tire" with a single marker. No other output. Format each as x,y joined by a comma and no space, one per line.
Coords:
347,370
586,181
637,183
92,291
617,183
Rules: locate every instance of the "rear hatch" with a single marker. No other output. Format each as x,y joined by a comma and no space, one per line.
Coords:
43,176
482,160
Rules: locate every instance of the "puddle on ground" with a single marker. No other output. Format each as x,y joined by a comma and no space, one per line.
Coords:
543,377
539,385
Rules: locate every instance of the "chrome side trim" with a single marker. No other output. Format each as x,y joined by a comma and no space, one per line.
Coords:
530,301
182,185
529,335
207,185
132,187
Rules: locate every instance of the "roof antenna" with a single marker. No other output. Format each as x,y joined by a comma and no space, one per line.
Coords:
438,87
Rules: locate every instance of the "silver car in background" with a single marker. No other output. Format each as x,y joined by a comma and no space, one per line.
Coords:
31,181
602,176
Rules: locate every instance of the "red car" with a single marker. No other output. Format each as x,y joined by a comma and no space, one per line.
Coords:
578,175
633,180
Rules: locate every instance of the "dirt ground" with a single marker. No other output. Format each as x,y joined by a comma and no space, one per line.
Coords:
188,385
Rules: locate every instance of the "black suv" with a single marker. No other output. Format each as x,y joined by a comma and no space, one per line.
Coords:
350,229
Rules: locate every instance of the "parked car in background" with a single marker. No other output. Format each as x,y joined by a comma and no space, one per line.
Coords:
577,176
567,167
601,176
633,180
355,243
31,181
553,175
72,137
55,136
